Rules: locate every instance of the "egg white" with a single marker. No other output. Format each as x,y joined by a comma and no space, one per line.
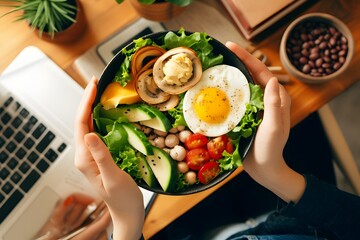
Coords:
231,81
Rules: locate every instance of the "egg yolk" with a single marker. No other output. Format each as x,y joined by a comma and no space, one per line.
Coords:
211,105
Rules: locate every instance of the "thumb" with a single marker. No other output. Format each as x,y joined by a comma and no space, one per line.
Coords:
272,102
101,155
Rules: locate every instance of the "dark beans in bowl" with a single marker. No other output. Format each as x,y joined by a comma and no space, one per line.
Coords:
317,48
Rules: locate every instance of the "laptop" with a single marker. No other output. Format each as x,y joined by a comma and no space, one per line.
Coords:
38,105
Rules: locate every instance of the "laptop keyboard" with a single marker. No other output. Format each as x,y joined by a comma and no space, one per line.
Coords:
27,150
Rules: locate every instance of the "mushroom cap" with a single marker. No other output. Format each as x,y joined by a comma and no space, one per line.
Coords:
148,90
158,73
169,104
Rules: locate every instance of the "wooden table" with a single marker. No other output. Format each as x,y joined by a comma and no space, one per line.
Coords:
106,17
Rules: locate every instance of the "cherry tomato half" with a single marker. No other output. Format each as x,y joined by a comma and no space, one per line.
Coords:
197,157
229,146
216,146
208,172
196,140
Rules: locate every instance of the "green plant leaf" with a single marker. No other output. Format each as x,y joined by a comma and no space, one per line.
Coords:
147,1
181,3
45,15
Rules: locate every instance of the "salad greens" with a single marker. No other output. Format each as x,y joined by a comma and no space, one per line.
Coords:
245,128
177,113
198,41
115,137
123,75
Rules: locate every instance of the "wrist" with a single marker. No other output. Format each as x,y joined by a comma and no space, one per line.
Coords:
127,228
279,178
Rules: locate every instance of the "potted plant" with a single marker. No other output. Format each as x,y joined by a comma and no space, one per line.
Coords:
159,10
53,20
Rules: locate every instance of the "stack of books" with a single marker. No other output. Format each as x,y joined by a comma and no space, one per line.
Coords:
254,16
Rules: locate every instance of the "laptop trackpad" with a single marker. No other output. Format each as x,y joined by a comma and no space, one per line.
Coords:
34,216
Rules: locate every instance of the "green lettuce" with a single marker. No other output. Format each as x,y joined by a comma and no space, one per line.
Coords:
123,75
128,160
245,128
198,41
177,113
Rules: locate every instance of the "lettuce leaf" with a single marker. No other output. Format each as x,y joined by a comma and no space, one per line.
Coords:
128,160
198,41
245,128
230,161
123,75
177,113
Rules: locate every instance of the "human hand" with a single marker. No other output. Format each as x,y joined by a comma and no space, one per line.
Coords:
265,162
68,214
117,188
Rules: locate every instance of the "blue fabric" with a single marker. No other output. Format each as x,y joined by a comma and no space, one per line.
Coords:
276,237
323,211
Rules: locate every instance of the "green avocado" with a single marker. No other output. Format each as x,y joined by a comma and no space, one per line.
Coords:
133,113
137,139
147,174
159,122
164,169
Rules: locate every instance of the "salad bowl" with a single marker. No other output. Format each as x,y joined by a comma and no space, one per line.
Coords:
228,58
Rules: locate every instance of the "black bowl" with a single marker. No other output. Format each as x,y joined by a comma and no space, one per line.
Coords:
229,58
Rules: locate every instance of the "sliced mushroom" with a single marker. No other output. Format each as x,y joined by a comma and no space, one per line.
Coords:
141,54
148,90
159,74
147,66
169,104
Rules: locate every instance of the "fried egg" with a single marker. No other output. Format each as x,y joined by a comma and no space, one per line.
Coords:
217,103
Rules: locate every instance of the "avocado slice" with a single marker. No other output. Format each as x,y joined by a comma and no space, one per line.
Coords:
163,167
147,174
137,139
133,113
159,122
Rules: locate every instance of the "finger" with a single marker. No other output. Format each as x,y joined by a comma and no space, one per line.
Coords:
258,69
73,217
96,229
272,103
83,198
61,209
101,155
285,109
84,111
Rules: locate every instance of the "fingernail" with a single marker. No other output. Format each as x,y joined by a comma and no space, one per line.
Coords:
68,201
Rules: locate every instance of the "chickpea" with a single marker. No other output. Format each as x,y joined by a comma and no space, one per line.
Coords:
160,133
152,136
151,141
183,135
190,177
181,128
159,142
173,130
171,140
145,130
182,167
178,153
